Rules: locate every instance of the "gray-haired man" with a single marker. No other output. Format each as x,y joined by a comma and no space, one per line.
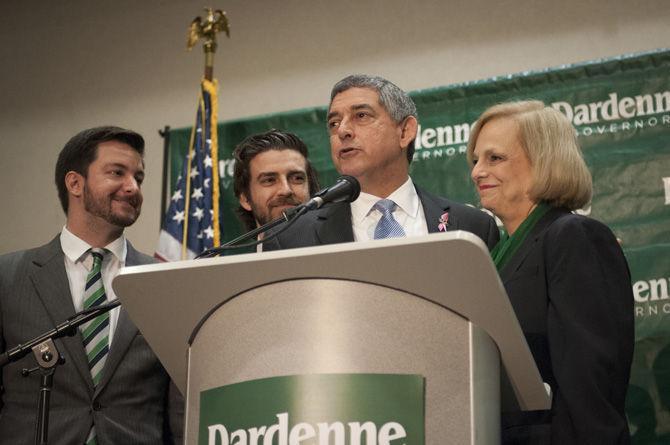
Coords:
372,126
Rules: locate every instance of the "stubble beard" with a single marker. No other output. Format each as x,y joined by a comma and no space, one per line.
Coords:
102,208
264,215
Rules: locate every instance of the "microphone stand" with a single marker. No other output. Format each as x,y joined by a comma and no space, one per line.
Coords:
48,358
345,189
287,215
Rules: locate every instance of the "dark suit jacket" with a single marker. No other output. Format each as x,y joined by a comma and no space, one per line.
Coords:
570,287
332,224
129,406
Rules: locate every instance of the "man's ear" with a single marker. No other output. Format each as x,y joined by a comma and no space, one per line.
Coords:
74,182
408,130
244,202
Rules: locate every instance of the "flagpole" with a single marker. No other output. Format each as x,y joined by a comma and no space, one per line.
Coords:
165,134
215,21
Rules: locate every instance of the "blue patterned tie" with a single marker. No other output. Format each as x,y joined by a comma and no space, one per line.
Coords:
387,227
96,331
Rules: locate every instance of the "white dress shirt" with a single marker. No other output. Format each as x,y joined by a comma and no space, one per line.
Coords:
78,263
408,212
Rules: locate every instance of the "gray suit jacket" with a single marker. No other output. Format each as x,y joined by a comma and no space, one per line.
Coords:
331,224
131,403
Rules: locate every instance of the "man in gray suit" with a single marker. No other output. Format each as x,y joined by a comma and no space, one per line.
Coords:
372,125
111,388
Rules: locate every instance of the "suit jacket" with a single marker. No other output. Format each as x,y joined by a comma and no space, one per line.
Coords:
130,404
570,287
331,224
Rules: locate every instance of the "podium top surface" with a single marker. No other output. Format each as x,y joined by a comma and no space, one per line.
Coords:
168,301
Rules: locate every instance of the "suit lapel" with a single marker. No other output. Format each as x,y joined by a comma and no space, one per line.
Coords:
53,289
433,209
124,333
333,224
529,244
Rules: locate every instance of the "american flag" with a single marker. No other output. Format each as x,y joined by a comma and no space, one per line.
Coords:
191,224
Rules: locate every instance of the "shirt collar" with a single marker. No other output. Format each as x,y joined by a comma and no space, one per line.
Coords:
404,196
75,248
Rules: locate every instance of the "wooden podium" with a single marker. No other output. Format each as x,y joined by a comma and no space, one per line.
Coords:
432,306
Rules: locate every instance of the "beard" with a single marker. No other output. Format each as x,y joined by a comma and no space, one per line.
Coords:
264,215
101,206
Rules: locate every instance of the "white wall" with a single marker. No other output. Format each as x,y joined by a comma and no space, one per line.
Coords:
69,65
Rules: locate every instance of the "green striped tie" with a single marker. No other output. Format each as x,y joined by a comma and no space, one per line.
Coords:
92,439
96,331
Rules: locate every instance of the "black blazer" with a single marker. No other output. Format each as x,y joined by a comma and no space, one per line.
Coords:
331,224
570,287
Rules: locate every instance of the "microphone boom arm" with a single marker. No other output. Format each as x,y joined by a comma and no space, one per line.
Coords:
65,329
345,189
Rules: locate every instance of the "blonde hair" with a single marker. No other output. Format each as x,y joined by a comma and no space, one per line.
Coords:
560,175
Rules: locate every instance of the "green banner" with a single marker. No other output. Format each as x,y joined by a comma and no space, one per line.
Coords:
620,108
316,409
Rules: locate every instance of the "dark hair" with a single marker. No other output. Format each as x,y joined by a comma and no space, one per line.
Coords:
82,150
395,101
255,144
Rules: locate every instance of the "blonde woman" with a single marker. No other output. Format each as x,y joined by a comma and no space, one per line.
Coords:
565,274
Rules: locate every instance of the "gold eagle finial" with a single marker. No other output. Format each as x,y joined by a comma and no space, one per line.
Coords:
215,22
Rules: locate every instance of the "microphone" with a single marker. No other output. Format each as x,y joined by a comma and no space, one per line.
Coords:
345,189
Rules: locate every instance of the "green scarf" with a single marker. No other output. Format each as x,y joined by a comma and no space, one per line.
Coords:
508,245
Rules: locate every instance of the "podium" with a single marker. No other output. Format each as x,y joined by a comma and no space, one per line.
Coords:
432,306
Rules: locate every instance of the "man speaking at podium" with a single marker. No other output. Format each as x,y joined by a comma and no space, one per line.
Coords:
372,125
111,388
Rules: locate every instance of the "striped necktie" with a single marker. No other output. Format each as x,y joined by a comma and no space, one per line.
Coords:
387,227
96,331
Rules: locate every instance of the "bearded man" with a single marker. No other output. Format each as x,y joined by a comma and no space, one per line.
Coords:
272,174
111,388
